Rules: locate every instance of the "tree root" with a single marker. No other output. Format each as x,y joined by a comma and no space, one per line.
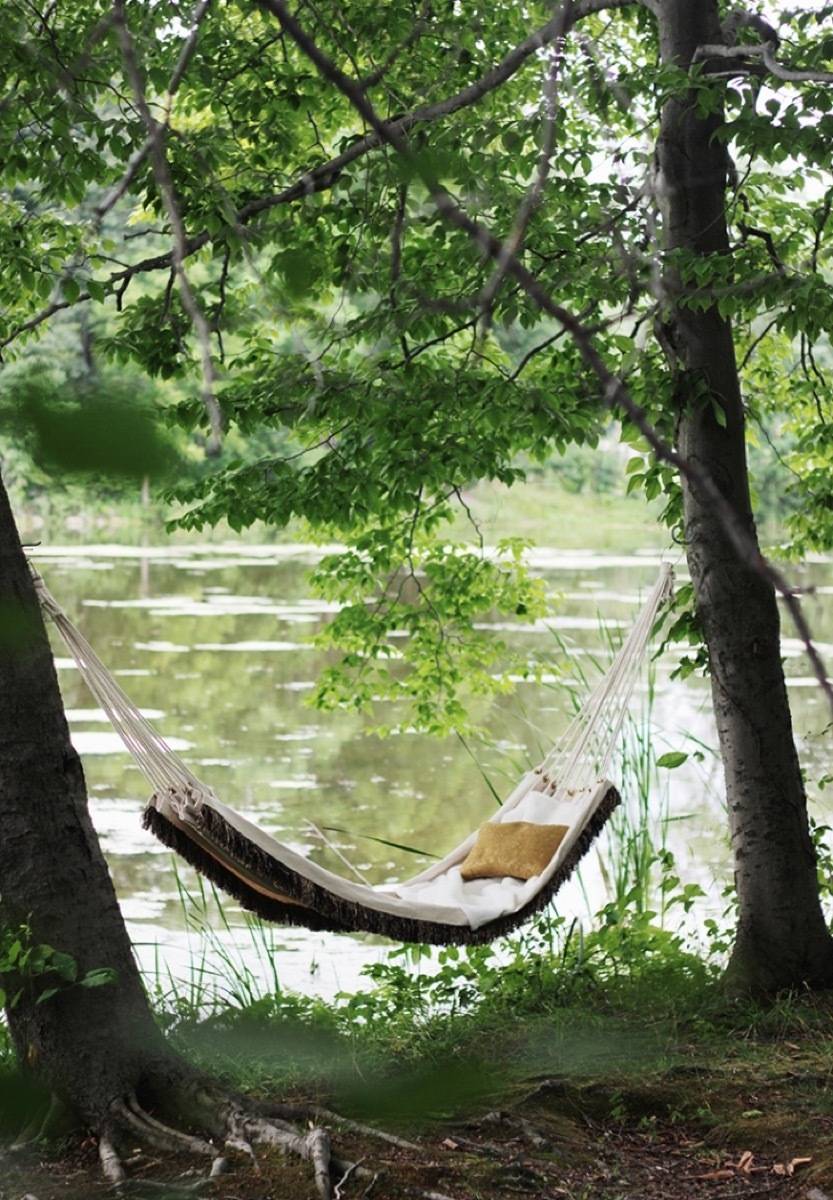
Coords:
241,1131
313,1146
164,1137
337,1192
53,1120
525,1129
314,1112
111,1163
232,1124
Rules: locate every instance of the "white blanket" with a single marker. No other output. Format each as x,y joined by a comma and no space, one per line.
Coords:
483,900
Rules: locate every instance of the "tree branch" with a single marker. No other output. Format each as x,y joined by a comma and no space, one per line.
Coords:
765,52
614,391
417,29
136,160
515,239
323,176
68,74
165,183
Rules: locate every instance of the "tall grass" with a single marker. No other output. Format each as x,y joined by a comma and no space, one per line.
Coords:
638,831
229,966
634,858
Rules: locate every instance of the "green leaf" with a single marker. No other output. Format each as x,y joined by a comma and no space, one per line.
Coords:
635,482
674,758
47,994
64,965
99,977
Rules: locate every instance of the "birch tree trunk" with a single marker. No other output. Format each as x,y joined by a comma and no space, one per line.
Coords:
782,939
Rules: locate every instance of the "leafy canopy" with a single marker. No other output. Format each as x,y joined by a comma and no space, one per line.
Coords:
364,380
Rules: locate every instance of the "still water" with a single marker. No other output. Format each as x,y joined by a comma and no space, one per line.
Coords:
212,641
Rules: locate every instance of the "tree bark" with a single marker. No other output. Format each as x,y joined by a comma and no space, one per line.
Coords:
782,938
99,1049
90,1045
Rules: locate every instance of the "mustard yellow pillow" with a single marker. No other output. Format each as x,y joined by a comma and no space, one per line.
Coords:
516,848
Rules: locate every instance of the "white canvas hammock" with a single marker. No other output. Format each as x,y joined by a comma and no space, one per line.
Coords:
569,788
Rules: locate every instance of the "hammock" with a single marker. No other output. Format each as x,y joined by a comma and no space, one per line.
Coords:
563,802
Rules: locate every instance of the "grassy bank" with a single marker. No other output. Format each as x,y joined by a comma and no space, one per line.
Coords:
542,510
603,1068
547,513
619,1071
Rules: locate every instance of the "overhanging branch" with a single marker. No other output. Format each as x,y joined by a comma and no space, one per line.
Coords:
164,182
614,392
139,156
322,177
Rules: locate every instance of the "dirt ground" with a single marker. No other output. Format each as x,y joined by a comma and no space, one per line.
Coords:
538,1149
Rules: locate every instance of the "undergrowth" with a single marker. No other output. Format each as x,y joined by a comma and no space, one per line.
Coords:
632,994
621,1008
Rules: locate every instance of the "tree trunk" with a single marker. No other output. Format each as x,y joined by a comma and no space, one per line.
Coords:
98,1049
782,939
90,1045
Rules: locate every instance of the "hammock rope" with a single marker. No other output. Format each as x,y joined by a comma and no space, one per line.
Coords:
158,762
570,785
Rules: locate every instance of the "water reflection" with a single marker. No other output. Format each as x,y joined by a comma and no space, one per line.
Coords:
211,642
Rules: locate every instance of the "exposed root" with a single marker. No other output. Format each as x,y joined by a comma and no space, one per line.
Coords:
185,1141
313,1146
52,1121
319,1143
233,1125
338,1194
111,1164
429,1195
371,1185
317,1113
131,1116
28,1135
373,1177
524,1128
237,1139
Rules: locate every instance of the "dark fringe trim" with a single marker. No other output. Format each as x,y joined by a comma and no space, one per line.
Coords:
318,908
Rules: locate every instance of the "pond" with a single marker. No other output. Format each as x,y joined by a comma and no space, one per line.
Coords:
212,641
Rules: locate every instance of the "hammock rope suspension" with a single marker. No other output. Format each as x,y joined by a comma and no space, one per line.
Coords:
569,790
